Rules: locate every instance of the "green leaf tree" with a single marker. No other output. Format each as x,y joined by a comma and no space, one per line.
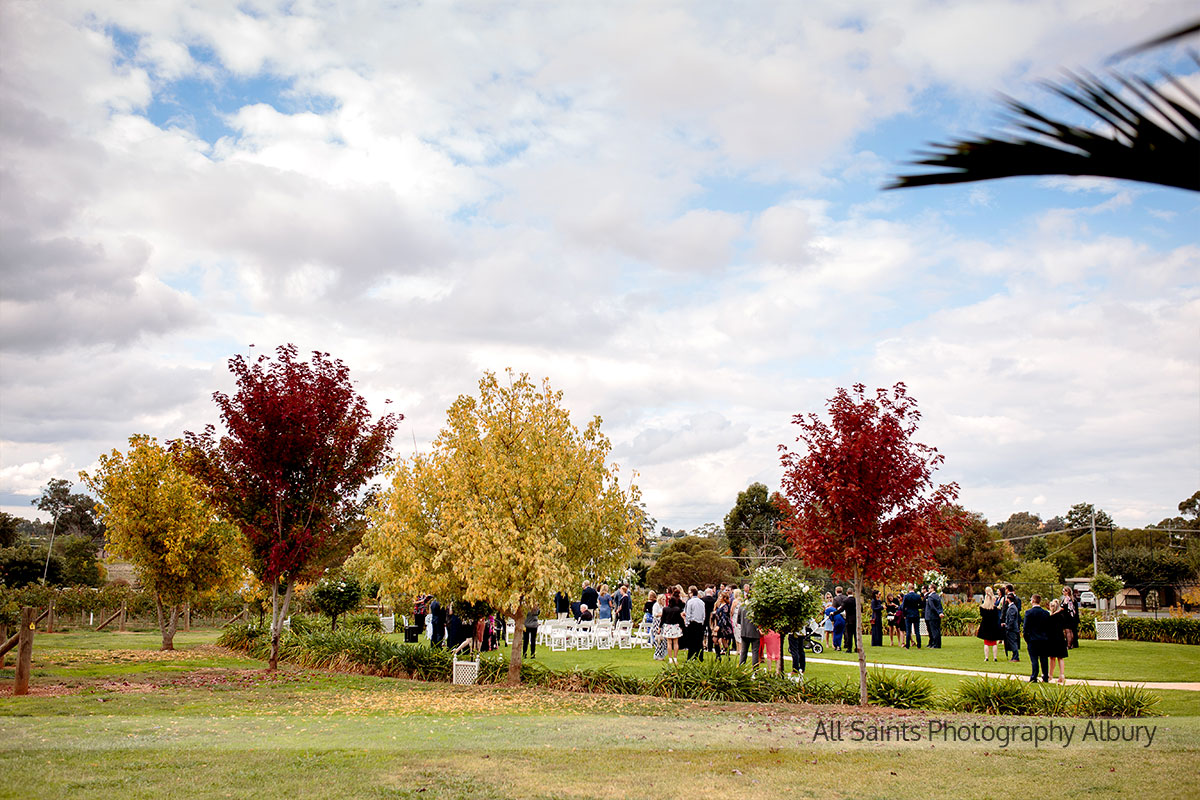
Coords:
1080,517
512,503
692,559
1106,587
157,519
782,601
752,528
975,557
1036,577
336,595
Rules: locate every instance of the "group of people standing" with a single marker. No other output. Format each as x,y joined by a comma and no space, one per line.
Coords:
904,613
596,604
1048,632
840,618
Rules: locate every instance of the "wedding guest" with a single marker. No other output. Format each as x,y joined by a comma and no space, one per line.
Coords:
989,623
1056,647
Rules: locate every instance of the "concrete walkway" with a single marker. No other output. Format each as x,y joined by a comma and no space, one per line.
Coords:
1186,687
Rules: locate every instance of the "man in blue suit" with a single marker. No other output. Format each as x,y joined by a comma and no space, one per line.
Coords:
1037,638
912,616
933,617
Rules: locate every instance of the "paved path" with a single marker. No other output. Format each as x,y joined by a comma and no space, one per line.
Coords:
1187,687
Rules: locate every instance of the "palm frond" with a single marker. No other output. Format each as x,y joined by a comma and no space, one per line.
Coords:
1145,135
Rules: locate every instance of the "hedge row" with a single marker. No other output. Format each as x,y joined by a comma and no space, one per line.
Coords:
358,650
962,619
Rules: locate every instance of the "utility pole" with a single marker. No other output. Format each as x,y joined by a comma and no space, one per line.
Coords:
1095,568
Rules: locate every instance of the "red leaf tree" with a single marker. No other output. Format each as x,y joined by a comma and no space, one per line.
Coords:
299,445
861,500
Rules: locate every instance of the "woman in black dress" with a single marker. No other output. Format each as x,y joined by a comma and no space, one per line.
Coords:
989,623
894,623
1056,648
876,619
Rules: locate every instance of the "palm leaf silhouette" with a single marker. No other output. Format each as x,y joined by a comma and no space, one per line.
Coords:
1145,135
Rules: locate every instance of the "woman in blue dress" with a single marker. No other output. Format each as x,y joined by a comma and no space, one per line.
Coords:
605,603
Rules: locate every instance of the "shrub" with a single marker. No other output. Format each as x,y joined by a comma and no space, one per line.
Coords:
993,696
720,680
821,692
366,621
1115,701
962,619
899,690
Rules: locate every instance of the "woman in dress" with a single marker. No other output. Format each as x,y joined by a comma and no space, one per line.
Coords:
605,606
672,625
876,619
827,612
722,625
1056,648
734,606
1072,611
660,644
893,618
989,623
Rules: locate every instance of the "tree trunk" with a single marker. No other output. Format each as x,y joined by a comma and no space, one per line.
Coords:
166,624
514,661
278,615
187,616
862,654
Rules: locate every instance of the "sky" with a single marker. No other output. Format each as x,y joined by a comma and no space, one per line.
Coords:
672,210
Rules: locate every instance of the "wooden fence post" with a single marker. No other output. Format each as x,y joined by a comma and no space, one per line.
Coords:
3,638
50,619
187,617
121,624
24,651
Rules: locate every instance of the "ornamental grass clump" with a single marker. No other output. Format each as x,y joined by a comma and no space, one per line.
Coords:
994,696
709,680
903,690
1115,701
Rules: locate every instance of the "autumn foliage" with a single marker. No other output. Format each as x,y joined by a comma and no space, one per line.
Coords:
512,503
158,520
861,497
299,445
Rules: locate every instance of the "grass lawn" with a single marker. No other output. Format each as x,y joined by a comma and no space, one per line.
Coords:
1116,661
112,717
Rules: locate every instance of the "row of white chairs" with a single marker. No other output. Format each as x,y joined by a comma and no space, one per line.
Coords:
602,635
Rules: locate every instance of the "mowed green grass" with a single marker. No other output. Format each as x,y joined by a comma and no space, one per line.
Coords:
1135,662
114,718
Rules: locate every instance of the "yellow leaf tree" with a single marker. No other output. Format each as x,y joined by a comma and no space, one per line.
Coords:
512,503
157,519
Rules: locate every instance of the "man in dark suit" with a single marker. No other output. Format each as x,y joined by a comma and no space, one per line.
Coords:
912,616
1037,638
589,596
562,604
850,612
1010,623
933,617
439,621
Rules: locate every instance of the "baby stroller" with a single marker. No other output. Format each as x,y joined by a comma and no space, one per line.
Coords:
812,641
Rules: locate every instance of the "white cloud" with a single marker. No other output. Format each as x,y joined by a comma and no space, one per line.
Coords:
428,192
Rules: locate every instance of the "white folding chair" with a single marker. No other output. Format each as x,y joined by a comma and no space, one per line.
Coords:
623,635
583,636
603,634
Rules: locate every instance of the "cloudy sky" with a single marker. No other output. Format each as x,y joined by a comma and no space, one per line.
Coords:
670,209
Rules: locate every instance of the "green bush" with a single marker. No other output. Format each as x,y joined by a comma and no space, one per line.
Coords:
1168,630
962,619
1115,701
1013,696
993,696
723,681
899,690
